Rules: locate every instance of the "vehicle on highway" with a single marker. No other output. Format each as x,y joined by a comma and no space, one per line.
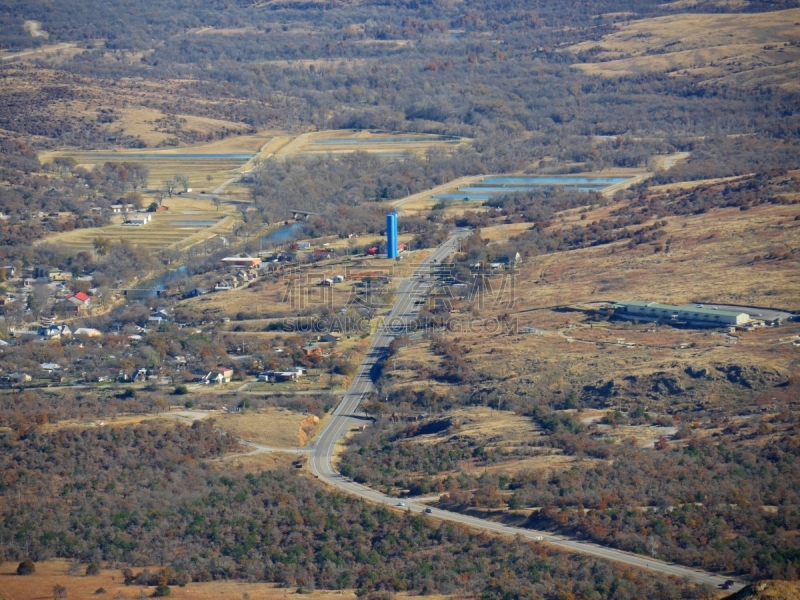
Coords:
401,503
429,510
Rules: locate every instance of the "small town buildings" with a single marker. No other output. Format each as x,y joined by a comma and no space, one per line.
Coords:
122,208
303,245
139,375
311,350
333,336
321,254
50,367
338,278
696,315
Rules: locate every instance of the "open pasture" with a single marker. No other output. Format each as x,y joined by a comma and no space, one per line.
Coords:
741,50
164,230
388,144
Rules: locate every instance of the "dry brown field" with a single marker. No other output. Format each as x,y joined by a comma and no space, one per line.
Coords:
39,586
709,260
378,142
737,50
270,426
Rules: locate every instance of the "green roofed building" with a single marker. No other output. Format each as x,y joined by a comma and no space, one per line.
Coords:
698,315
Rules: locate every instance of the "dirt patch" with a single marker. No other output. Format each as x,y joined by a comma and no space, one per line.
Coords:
270,426
255,463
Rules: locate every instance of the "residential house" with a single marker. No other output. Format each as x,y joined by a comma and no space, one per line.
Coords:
223,375
163,312
338,278
139,375
16,378
312,350
198,291
50,367
54,332
79,298
321,254
333,336
44,272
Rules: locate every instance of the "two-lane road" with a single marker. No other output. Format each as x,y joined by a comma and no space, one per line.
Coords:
409,291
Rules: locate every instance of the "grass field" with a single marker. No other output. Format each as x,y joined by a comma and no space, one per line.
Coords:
349,140
270,426
740,50
178,228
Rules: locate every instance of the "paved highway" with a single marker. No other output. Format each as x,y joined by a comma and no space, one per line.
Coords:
346,416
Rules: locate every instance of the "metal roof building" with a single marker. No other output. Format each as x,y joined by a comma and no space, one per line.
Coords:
694,314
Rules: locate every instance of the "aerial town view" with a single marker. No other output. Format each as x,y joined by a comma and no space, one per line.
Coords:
382,299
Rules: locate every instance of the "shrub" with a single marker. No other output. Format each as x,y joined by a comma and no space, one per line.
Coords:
162,590
188,404
92,569
26,567
181,390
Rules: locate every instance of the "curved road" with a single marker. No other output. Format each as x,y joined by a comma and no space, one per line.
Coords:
346,416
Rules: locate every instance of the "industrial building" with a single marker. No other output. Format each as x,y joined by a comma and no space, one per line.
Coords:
391,235
696,315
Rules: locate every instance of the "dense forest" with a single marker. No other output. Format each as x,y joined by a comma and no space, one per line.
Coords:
720,504
148,495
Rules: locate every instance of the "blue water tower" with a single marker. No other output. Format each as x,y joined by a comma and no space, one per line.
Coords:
391,235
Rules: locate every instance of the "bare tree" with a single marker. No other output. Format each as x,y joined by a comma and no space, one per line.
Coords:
160,193
39,298
217,201
169,186
182,180
137,175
